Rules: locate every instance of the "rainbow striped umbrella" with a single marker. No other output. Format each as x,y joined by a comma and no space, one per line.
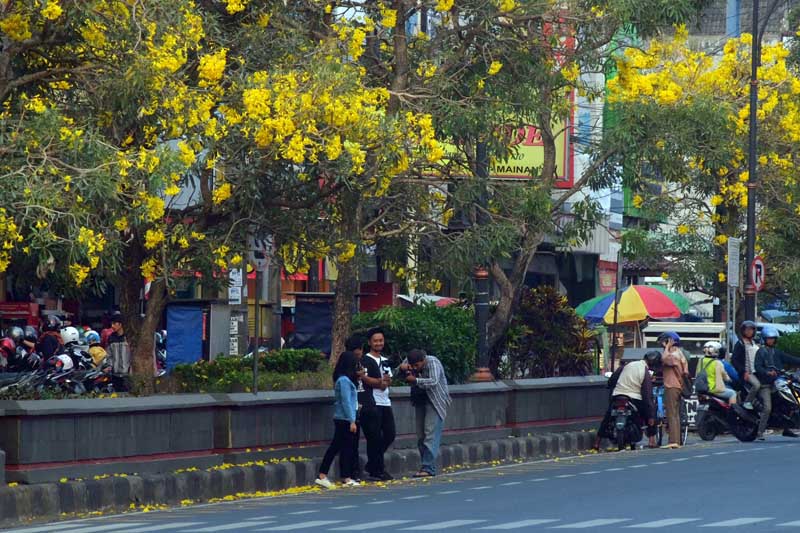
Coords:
636,303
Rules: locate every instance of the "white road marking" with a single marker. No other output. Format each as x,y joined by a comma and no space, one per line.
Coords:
413,497
380,502
312,511
638,466
663,523
521,524
661,462
302,525
448,492
510,483
107,527
229,527
372,525
590,472
443,525
563,476
339,508
593,523
737,522
721,453
700,456
260,517
679,459
613,469
45,529
483,487
796,523
539,479
160,527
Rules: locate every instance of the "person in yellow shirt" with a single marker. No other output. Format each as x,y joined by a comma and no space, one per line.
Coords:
96,350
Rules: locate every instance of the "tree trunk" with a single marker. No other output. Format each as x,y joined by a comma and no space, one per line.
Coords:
347,283
140,330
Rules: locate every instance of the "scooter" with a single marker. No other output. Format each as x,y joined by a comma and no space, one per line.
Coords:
785,408
714,416
626,423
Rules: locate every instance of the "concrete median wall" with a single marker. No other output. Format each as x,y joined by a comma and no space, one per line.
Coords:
47,440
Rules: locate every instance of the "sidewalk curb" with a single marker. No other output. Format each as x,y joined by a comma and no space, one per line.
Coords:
48,501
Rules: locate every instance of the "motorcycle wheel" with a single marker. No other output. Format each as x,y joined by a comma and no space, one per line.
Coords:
706,428
619,439
743,430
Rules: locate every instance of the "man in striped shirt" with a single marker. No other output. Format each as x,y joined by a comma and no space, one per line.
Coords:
430,397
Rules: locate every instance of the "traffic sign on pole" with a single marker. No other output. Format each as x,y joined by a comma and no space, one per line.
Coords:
758,273
734,246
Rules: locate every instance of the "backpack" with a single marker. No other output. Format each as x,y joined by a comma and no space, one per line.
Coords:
701,381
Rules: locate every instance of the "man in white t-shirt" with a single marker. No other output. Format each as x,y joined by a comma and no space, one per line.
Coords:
377,418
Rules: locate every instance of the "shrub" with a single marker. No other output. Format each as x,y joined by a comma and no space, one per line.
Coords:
449,333
278,370
790,343
546,338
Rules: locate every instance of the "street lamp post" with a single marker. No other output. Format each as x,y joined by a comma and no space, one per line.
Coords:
481,275
749,289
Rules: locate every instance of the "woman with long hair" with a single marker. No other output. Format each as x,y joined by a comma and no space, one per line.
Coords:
345,405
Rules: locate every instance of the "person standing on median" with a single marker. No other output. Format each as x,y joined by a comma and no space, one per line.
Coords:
431,398
377,418
356,345
345,403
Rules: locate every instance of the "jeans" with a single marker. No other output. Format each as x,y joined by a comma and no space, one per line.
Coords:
429,436
755,384
342,445
672,404
727,394
356,466
765,393
377,422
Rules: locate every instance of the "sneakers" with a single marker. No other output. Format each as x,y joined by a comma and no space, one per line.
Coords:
789,433
351,483
325,482
672,446
748,406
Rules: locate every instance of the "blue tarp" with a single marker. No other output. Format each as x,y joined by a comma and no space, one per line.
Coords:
184,337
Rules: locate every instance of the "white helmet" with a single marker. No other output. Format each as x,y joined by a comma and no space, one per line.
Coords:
70,335
712,348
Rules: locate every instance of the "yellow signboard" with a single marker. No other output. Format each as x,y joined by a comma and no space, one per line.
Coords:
528,158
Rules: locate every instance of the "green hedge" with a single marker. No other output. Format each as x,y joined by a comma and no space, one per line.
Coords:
449,333
790,343
278,370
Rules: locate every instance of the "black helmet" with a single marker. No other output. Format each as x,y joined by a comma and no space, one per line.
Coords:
31,334
52,323
653,359
747,324
667,335
16,334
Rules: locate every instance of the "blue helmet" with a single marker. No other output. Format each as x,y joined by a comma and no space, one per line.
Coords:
770,332
676,339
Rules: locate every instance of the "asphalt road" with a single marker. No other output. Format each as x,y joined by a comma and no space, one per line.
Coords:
721,485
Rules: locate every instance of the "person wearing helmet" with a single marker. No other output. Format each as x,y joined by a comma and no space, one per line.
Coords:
7,351
50,342
16,334
70,336
769,360
716,350
634,381
96,350
717,377
744,360
676,369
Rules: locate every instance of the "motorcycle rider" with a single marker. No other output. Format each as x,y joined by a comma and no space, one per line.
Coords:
635,382
715,370
50,342
768,360
744,359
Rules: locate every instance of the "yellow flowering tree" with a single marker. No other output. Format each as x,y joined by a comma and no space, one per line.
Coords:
683,116
105,104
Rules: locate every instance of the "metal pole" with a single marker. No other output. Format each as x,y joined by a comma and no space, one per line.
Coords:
616,307
482,372
277,308
749,289
257,324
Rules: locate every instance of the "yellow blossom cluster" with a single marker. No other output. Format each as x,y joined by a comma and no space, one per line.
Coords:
9,237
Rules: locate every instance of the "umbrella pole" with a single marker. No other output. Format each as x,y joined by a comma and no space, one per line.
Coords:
616,309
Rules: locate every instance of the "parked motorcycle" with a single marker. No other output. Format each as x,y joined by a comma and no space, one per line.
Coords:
714,416
626,423
785,408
